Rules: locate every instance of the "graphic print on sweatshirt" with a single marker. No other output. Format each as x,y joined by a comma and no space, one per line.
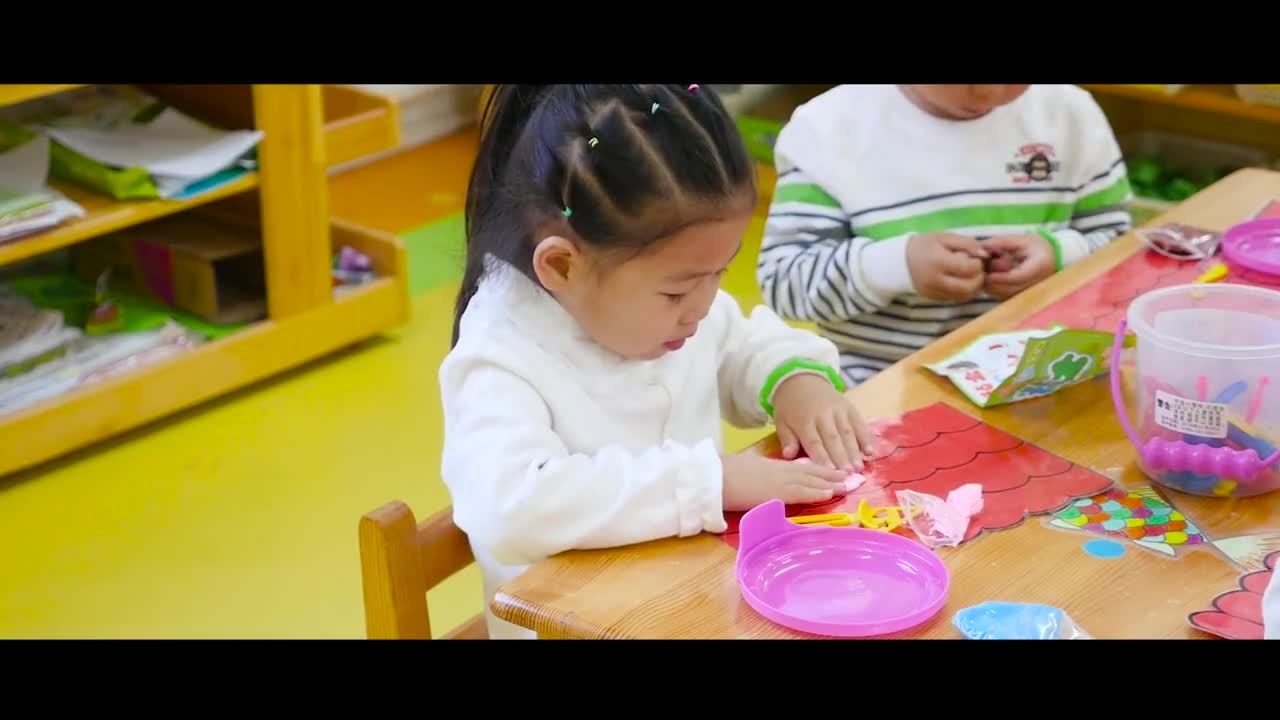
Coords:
1033,163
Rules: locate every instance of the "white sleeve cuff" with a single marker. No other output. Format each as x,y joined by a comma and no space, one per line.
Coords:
882,269
700,494
1074,247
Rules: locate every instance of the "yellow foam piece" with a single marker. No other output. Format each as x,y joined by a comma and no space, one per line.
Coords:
1213,274
1224,487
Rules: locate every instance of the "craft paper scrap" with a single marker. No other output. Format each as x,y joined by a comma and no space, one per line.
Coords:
1250,551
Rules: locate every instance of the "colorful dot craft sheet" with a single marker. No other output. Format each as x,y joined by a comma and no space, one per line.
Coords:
1139,515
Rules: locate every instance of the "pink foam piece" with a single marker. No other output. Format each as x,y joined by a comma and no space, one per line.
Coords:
966,499
941,522
852,481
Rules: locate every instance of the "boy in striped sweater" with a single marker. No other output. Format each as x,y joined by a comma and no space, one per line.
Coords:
904,211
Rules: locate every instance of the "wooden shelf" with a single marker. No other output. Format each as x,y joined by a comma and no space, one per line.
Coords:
14,94
356,124
105,215
95,413
1221,99
308,128
85,417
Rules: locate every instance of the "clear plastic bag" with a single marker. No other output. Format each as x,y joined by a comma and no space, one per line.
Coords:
1017,621
1181,242
937,522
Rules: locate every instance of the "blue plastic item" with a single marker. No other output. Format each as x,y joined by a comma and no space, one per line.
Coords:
1017,621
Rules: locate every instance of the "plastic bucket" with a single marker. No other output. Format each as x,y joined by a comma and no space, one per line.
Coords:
1208,377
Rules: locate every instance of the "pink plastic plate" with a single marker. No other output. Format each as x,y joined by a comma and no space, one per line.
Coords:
836,581
1254,245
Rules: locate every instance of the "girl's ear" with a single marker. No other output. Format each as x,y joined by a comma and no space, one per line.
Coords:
557,262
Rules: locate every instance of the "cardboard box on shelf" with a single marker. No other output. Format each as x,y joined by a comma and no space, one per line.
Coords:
204,266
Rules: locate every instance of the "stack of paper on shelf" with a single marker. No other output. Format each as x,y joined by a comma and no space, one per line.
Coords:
29,335
27,204
121,141
44,353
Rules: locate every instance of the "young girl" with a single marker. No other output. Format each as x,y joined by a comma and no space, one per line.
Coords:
594,353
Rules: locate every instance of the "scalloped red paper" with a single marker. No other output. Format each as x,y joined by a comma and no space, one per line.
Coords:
1103,301
938,448
1237,614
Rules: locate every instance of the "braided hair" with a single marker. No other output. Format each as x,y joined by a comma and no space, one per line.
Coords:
616,167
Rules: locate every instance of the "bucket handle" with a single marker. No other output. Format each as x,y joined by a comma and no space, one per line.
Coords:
1117,396
1180,456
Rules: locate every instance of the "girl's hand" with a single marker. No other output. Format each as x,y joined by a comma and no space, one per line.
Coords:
753,479
811,414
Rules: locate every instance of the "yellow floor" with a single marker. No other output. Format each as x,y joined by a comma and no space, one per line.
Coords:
238,519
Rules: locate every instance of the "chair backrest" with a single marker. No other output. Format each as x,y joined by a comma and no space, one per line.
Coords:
400,560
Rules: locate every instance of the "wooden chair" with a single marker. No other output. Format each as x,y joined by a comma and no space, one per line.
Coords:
400,560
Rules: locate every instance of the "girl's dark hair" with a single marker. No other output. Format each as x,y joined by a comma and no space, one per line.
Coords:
612,166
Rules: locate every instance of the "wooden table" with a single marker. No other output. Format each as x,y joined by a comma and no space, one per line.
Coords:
685,588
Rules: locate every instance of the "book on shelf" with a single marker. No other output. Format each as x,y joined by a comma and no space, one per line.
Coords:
27,204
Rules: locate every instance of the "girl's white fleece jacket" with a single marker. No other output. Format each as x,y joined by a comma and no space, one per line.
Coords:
553,443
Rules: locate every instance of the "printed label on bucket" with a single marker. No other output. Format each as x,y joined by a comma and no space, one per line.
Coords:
1190,417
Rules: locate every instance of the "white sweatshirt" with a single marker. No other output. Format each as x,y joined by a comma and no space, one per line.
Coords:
861,169
553,443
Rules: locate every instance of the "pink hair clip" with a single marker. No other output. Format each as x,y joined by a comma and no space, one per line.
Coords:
693,88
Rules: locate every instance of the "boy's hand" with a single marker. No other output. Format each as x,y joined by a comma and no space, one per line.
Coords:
1031,259
946,267
753,479
811,414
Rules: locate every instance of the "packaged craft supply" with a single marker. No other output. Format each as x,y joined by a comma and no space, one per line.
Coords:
1017,621
1025,364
